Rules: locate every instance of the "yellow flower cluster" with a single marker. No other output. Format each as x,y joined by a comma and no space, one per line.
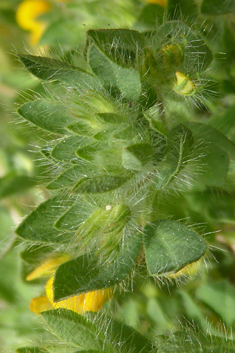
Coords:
91,301
27,17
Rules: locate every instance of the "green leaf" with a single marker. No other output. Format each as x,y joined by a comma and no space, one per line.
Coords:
65,349
88,152
111,118
82,128
38,225
13,184
35,253
221,208
74,329
217,7
103,222
124,336
32,257
179,145
65,150
85,273
65,31
193,311
91,351
47,115
104,135
196,342
106,158
196,54
122,45
68,178
229,46
154,121
135,156
224,123
156,313
99,184
121,81
128,133
31,350
46,151
74,216
53,70
182,9
220,297
214,149
150,17
164,241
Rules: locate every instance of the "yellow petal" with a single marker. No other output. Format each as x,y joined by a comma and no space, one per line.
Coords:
91,301
95,300
183,84
189,270
48,267
28,11
39,304
37,33
162,3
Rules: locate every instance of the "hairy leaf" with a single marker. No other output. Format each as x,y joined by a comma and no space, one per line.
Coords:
85,274
31,350
121,45
74,216
69,177
217,7
74,329
196,54
99,184
120,334
150,17
65,150
214,149
121,81
47,115
182,8
135,156
164,241
196,342
178,148
38,225
53,70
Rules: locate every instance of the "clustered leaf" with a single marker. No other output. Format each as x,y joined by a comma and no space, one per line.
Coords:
117,152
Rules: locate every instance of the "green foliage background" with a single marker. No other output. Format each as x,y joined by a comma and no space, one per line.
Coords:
194,200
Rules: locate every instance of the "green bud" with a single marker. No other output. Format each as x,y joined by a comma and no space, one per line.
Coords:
172,55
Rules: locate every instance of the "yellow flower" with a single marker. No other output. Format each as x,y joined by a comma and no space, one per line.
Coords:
48,267
27,14
183,84
39,304
189,270
91,301
162,3
27,17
